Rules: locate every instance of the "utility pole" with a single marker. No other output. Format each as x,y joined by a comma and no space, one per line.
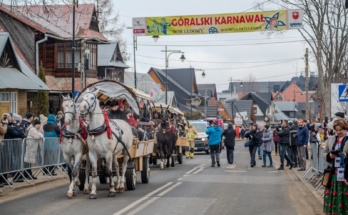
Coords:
205,104
306,85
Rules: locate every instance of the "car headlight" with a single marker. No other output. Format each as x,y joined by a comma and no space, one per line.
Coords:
204,139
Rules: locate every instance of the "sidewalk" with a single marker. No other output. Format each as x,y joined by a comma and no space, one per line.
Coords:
41,179
299,176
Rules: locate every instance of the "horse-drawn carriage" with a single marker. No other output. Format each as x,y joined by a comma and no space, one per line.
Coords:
179,141
111,142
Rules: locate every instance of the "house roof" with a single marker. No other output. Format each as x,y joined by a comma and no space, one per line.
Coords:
211,89
23,76
185,77
263,100
286,106
56,19
12,78
259,87
106,56
64,84
239,106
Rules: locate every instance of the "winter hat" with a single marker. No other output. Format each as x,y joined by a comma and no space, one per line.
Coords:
128,111
42,118
215,122
340,114
29,115
17,118
37,122
230,125
51,119
60,112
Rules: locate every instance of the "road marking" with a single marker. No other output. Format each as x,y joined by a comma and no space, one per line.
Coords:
200,169
273,171
179,179
192,170
230,166
234,171
134,204
143,206
161,188
169,189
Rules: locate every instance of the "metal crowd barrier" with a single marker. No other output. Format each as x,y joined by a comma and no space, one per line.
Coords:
315,172
18,156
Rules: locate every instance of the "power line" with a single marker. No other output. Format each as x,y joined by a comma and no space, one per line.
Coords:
220,61
215,69
240,44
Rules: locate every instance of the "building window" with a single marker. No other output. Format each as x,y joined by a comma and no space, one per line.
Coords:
14,102
92,56
278,97
292,114
255,110
65,56
4,97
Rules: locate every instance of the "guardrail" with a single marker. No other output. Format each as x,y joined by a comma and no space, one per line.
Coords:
315,172
18,156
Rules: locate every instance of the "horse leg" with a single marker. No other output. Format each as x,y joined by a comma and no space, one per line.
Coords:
171,155
93,160
167,156
124,168
86,189
161,155
70,192
117,169
109,159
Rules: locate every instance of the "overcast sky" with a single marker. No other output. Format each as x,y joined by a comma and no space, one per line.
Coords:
238,51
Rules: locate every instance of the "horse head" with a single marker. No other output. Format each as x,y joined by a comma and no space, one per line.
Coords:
90,102
69,109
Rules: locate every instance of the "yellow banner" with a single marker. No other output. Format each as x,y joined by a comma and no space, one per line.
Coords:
216,24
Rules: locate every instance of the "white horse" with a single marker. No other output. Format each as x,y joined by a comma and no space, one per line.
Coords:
100,144
73,147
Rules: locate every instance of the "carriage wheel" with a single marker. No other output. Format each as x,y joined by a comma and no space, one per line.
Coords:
180,156
145,174
131,179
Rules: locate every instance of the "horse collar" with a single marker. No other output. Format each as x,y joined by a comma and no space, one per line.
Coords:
97,131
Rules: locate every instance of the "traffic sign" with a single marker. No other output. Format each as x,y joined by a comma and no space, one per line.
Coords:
343,93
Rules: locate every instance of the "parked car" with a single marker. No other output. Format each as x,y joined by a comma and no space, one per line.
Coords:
201,142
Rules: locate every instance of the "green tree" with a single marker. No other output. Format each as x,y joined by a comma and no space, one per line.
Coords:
40,100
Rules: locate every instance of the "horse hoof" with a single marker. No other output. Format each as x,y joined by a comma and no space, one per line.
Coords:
85,191
70,194
93,196
121,189
111,194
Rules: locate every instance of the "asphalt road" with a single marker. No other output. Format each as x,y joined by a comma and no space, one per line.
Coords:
190,188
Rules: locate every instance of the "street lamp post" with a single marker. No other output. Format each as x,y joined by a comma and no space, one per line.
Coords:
167,54
73,53
193,74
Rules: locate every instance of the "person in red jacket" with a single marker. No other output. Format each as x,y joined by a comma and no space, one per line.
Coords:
276,142
134,124
237,132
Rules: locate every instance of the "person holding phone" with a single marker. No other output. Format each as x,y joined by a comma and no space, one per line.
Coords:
335,153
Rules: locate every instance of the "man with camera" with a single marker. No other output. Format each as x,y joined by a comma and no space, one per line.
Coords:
284,141
302,142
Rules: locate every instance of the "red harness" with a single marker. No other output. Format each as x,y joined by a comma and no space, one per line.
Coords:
107,122
83,130
61,133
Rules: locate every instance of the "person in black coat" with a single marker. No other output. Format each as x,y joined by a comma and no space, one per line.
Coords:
284,141
293,144
254,138
230,135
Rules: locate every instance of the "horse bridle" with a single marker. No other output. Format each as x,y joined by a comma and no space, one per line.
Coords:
73,114
89,105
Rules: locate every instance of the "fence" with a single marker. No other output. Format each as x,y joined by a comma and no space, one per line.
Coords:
315,172
24,158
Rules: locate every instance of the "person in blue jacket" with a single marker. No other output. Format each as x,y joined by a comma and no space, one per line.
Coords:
214,140
51,130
